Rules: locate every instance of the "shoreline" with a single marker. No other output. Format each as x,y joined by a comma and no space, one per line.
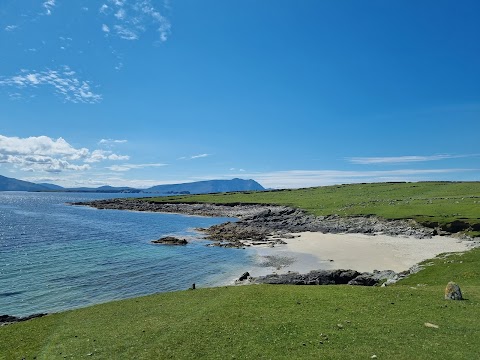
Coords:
287,239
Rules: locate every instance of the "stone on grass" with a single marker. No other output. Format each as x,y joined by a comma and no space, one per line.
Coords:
453,292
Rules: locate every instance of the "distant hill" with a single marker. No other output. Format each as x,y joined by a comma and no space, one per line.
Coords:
198,187
11,184
52,186
209,186
103,189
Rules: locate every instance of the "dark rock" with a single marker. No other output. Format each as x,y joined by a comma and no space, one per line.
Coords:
455,226
317,277
170,240
364,280
9,319
244,276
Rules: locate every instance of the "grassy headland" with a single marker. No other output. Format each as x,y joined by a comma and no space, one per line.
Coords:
453,206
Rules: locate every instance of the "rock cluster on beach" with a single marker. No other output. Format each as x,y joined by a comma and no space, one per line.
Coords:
329,277
268,224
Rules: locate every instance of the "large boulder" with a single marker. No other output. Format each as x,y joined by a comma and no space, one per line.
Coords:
453,292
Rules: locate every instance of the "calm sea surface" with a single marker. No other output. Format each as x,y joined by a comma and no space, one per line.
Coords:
55,256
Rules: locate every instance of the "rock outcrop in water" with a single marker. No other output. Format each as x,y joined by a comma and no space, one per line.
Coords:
170,240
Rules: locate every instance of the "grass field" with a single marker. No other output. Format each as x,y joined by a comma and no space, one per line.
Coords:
270,322
455,206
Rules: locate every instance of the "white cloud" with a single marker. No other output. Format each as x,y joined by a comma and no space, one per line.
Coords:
402,159
131,19
11,27
41,145
105,28
99,155
50,155
111,141
120,14
128,167
125,33
199,156
48,6
63,81
41,163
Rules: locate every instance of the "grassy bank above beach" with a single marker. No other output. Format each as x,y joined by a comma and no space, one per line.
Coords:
452,206
270,322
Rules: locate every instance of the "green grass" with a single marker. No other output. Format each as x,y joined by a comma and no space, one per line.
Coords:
429,203
270,322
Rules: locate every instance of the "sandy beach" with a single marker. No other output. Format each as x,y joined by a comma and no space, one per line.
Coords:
365,253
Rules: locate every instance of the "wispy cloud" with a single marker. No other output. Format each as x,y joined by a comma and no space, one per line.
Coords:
48,6
111,141
128,167
199,156
11,27
43,153
403,159
126,33
133,18
63,81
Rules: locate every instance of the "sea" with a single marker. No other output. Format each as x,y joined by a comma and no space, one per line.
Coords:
55,256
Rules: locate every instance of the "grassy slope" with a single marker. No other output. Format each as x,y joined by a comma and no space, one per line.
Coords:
441,202
263,322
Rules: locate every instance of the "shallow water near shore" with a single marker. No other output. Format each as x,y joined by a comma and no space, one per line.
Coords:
55,257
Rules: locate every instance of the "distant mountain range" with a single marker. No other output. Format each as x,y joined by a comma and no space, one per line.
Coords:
198,187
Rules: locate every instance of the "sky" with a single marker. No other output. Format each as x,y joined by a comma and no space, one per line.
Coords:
288,93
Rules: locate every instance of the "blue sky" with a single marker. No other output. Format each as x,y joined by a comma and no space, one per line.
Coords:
289,93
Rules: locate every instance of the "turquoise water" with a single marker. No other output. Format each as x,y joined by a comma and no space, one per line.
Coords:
55,256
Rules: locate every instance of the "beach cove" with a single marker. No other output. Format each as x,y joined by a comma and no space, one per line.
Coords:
288,240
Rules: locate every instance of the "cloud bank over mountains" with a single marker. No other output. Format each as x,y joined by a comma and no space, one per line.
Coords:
45,154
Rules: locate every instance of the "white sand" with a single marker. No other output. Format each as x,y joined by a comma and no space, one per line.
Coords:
313,251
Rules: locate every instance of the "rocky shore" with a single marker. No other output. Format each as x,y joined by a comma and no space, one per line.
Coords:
330,277
268,224
9,319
